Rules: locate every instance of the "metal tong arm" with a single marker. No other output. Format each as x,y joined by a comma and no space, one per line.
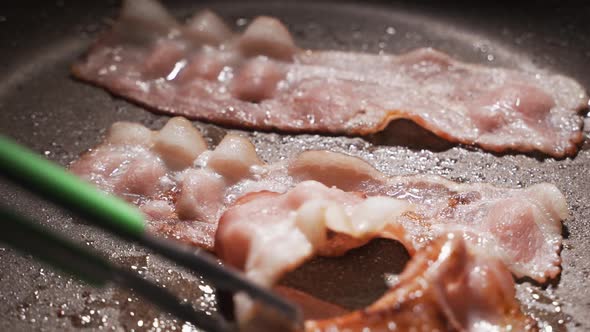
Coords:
30,237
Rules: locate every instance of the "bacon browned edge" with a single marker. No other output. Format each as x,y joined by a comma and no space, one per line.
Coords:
445,287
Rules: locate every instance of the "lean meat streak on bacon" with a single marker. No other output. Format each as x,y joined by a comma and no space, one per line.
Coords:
184,188
259,79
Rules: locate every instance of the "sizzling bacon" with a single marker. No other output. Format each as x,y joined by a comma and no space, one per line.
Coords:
183,188
451,284
261,80
447,286
312,219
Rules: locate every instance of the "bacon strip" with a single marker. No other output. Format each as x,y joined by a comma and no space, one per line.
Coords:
452,284
260,80
522,226
445,287
184,188
449,285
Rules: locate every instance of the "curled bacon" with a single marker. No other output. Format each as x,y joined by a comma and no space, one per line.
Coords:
445,287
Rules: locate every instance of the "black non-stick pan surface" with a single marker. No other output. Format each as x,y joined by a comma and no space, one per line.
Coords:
43,107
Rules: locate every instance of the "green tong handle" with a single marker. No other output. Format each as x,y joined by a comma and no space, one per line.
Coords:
55,184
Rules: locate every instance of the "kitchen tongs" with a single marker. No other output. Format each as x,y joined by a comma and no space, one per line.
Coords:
55,184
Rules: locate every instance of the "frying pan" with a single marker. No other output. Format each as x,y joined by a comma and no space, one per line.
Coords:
43,107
